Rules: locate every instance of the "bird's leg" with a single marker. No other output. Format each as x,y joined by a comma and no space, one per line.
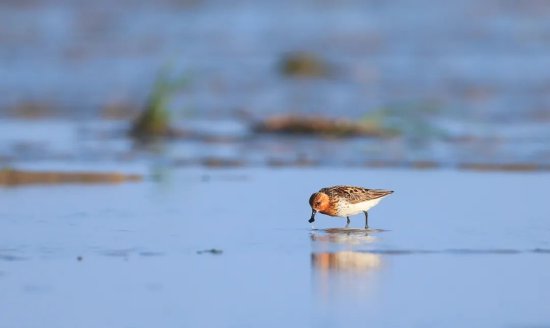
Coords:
347,222
366,219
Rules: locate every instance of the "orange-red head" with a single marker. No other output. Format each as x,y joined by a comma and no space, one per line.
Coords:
319,202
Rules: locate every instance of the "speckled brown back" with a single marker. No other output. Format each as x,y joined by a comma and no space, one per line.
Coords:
354,194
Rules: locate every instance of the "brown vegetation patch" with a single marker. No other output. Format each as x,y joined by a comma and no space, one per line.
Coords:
303,64
425,165
119,110
319,126
9,177
32,110
215,162
513,167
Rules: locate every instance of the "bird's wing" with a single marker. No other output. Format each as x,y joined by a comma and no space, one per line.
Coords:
355,194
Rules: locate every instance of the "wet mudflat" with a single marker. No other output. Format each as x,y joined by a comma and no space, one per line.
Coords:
446,248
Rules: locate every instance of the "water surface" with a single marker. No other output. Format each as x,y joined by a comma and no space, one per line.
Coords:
455,247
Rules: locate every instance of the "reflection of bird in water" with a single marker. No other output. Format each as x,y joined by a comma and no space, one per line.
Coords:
345,261
345,201
341,263
334,249
343,236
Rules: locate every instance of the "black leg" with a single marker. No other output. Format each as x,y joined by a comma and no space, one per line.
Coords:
347,217
366,219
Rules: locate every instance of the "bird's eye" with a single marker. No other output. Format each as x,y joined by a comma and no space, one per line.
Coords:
317,203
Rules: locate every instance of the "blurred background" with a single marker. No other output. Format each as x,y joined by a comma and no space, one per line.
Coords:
224,116
349,83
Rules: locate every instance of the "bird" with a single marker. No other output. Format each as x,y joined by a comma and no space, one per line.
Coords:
345,201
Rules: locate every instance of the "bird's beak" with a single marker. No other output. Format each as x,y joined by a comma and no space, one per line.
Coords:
312,219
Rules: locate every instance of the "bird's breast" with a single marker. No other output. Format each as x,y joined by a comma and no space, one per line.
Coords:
348,209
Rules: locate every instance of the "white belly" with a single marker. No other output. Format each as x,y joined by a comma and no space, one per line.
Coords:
347,209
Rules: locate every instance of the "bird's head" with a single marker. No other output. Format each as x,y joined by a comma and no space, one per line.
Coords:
319,202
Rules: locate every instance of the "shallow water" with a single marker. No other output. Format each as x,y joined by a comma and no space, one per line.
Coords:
446,248
99,144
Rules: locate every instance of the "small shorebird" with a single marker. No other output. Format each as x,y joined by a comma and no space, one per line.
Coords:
345,201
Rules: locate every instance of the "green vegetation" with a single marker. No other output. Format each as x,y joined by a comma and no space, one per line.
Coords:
413,121
154,121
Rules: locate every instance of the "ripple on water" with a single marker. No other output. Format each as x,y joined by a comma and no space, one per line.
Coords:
460,251
125,253
9,256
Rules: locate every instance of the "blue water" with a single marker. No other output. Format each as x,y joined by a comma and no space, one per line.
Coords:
476,61
457,248
463,82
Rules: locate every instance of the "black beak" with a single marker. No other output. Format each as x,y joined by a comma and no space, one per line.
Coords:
312,219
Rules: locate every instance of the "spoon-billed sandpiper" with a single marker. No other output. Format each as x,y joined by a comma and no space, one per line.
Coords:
345,201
